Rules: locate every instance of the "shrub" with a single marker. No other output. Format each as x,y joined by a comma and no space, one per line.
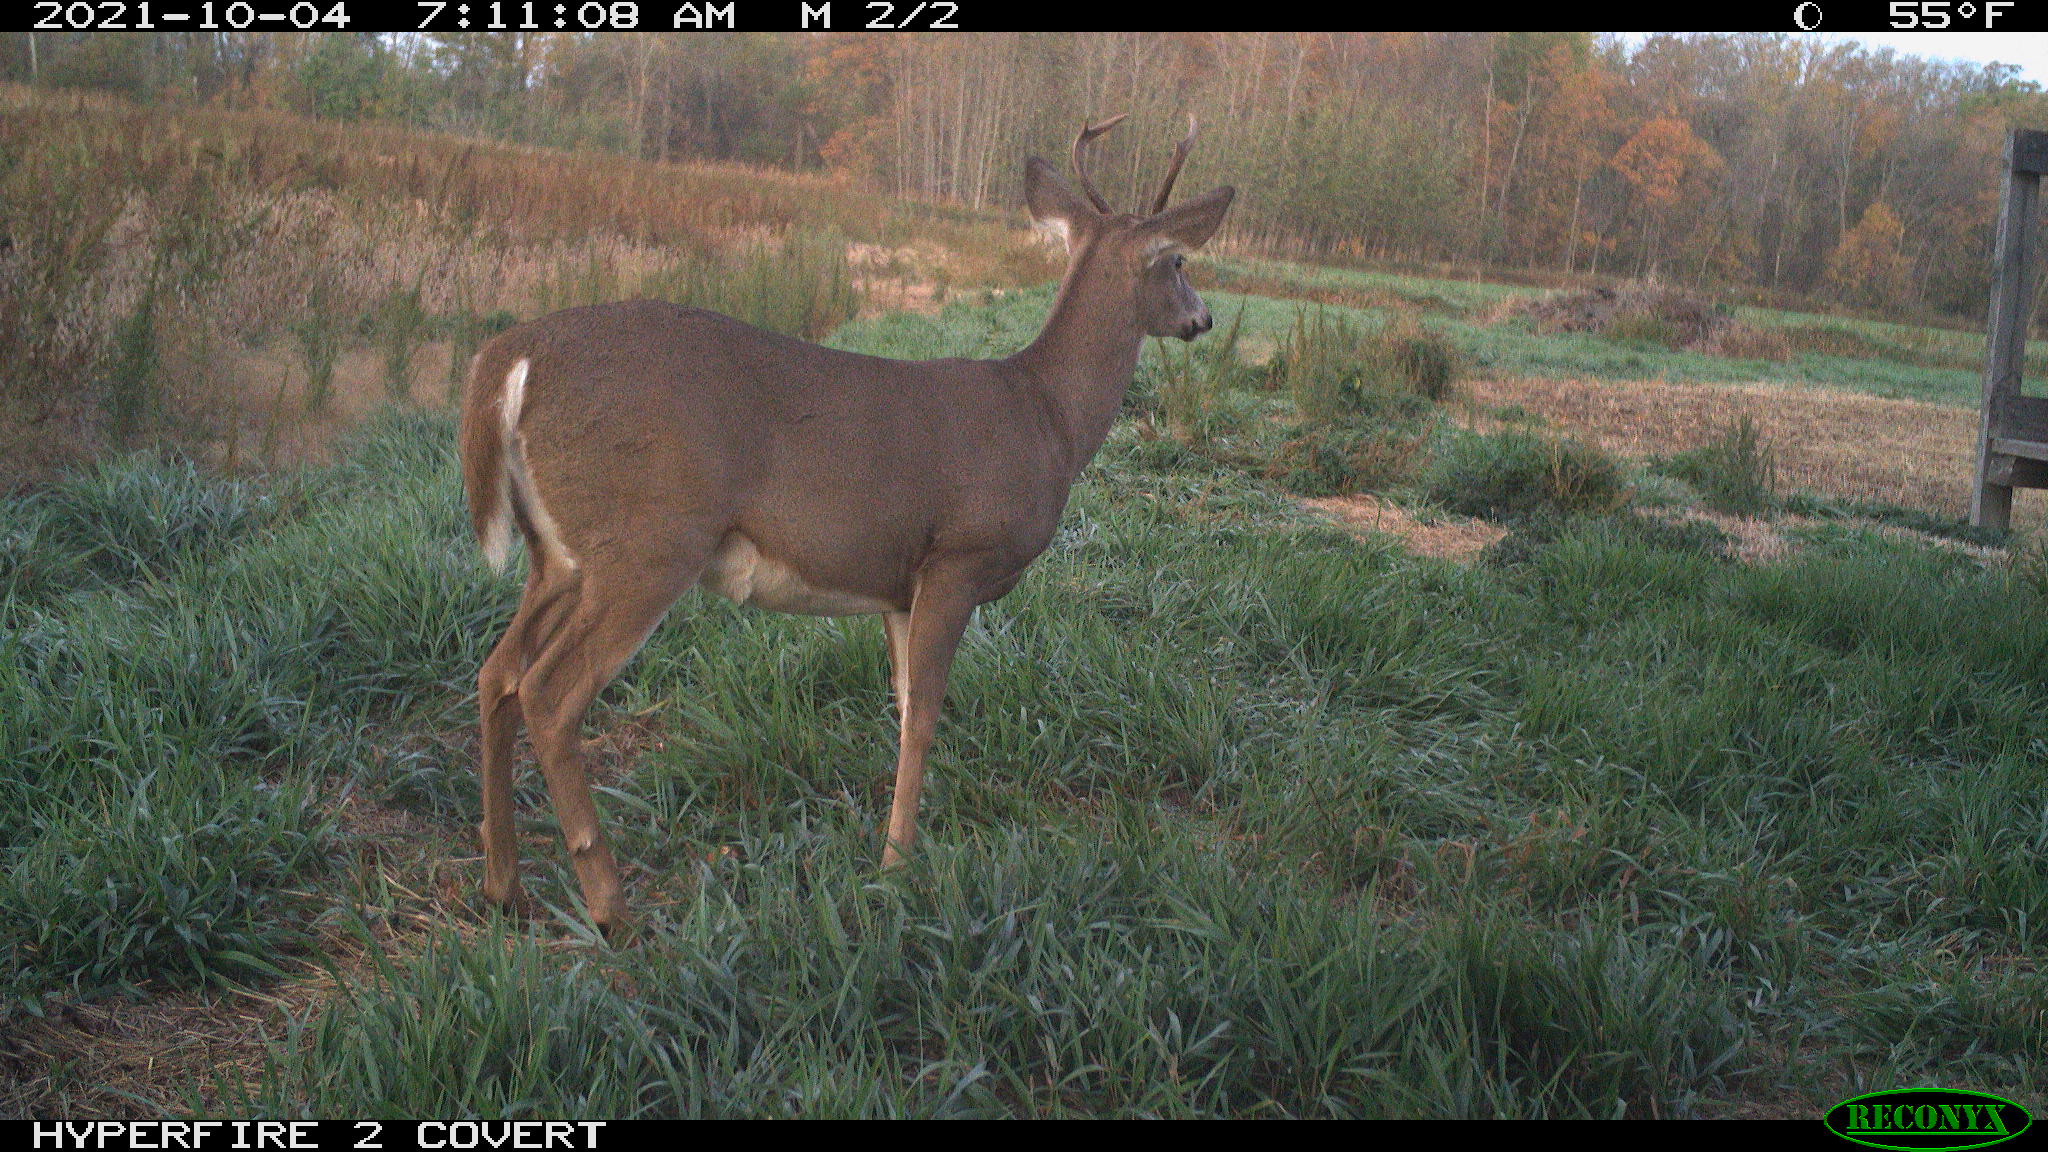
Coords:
1739,340
1644,330
1516,474
1418,359
1652,313
1736,471
1334,462
398,323
1335,370
801,286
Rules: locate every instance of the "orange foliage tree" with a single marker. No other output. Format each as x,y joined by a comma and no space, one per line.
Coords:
1668,167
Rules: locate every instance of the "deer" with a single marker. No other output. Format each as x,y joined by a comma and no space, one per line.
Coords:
641,448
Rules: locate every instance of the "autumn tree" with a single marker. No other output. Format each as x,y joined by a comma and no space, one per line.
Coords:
1869,266
1743,159
1668,167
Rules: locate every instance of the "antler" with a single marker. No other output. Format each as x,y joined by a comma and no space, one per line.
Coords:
1180,157
1081,170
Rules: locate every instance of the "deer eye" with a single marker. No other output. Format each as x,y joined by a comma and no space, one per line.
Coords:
1179,260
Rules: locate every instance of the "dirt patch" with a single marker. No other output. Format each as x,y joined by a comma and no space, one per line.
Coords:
121,1060
1761,541
1751,541
1448,538
1844,444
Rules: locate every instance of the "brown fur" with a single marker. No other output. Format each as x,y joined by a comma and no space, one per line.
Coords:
477,438
664,443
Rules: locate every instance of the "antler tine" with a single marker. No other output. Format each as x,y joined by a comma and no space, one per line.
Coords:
1180,157
1081,170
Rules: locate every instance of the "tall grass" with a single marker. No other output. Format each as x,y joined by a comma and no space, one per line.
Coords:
1515,473
1195,379
157,257
1335,370
1736,470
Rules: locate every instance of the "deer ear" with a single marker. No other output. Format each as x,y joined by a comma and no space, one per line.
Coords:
1050,200
1191,224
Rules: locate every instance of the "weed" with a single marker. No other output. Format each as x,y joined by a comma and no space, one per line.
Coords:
398,324
1736,470
134,370
1335,461
1335,371
1516,473
1195,379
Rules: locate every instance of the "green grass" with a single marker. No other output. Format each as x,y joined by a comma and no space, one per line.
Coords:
1735,471
1360,286
1888,360
1949,375
1231,814
1516,474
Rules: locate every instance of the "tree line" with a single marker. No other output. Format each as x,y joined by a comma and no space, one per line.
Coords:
1755,160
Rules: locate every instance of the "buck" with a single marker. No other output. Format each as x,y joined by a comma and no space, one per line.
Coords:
642,448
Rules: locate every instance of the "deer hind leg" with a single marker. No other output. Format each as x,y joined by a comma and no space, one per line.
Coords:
608,623
498,705
922,648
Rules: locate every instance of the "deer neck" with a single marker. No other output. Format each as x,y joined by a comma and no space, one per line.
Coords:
1083,359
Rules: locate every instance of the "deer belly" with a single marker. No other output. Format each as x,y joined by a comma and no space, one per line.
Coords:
739,572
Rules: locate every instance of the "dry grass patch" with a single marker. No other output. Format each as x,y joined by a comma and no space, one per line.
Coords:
1446,538
1658,313
159,256
1844,444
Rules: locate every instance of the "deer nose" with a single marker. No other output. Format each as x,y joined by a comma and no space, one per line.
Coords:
1195,327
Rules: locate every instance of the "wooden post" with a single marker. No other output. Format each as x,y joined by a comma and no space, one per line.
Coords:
2026,157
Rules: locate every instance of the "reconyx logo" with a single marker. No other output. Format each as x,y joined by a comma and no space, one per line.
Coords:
1927,1119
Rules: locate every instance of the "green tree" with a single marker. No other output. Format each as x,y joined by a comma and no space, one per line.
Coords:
344,76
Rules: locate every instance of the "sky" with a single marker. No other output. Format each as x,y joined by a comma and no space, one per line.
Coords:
2029,50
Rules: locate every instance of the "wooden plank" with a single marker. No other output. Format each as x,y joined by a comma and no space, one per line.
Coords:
1991,504
2011,282
2019,418
2010,472
2011,285
2029,449
2026,150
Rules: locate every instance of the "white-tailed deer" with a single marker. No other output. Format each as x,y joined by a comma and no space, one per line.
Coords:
641,448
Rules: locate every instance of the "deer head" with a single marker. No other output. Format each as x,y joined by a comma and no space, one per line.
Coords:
1115,254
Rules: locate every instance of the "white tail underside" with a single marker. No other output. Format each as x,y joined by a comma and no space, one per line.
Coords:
515,482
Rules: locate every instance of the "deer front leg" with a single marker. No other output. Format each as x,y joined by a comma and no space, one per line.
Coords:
921,648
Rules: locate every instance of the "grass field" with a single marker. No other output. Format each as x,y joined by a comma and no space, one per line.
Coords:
1243,806
1233,814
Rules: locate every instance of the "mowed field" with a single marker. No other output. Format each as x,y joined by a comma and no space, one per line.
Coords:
1247,803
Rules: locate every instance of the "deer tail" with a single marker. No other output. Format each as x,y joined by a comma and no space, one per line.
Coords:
490,419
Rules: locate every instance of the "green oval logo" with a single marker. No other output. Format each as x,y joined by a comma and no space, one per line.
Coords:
1927,1119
